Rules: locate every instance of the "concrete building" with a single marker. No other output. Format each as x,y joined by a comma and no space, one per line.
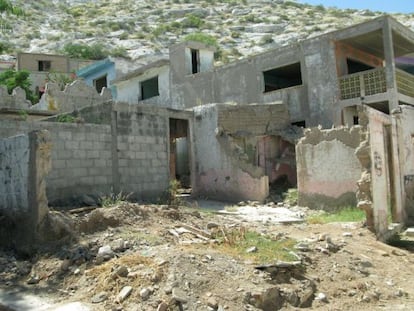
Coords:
99,74
41,66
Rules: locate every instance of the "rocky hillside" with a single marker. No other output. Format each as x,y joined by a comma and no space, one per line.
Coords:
134,28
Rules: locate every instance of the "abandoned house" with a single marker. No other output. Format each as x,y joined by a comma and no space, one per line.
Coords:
330,114
41,66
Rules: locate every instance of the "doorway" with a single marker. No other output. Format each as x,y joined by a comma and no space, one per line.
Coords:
180,154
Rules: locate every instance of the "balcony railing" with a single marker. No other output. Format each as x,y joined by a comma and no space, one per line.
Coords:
361,84
372,82
405,82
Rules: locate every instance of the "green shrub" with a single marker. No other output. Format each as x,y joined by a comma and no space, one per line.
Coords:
192,21
95,51
12,79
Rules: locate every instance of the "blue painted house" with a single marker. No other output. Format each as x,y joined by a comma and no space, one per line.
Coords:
99,74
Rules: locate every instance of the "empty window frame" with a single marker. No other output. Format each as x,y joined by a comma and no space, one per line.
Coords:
195,61
44,65
282,77
355,66
149,88
100,83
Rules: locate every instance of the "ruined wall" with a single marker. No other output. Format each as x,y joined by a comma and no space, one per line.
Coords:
223,168
16,100
75,96
405,129
142,149
328,168
24,165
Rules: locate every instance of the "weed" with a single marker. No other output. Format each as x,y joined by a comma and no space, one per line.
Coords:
291,197
65,118
23,115
347,214
237,240
113,199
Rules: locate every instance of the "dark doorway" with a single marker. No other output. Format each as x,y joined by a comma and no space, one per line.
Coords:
100,83
355,66
179,153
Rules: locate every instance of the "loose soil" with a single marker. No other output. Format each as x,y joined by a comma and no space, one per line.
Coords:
180,258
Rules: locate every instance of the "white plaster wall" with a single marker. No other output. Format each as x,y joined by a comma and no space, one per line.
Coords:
129,91
407,131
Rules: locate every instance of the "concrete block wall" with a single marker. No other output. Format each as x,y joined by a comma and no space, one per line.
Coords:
81,156
24,165
142,147
327,168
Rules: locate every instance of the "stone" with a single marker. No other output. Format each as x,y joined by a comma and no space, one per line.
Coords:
121,271
179,295
268,300
321,297
100,297
124,293
347,234
212,303
212,225
162,306
366,264
145,293
252,249
409,232
302,246
34,279
307,298
105,252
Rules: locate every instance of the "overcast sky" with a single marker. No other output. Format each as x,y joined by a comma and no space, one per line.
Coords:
393,6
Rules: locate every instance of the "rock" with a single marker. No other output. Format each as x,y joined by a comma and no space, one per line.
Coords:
252,249
302,246
409,232
268,300
212,225
105,252
347,234
87,200
240,12
321,297
212,303
121,271
145,293
118,245
124,293
162,306
306,298
100,297
179,295
322,237
365,264
34,279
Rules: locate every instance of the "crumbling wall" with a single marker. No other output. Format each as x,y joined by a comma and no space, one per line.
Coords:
74,97
24,165
223,169
405,127
328,168
16,100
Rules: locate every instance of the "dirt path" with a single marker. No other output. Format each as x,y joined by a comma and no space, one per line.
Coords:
136,257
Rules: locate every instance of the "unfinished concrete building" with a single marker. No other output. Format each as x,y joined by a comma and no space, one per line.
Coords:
231,132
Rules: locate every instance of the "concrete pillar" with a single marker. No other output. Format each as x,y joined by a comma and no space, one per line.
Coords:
390,65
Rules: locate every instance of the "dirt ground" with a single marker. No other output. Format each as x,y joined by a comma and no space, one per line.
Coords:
155,257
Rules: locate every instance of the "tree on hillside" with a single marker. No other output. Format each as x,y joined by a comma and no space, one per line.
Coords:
12,79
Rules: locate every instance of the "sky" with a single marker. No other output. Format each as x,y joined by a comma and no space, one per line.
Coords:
393,6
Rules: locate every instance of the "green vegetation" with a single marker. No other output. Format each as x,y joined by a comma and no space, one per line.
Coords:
12,79
347,214
7,7
113,198
290,197
237,240
95,51
65,118
60,79
23,115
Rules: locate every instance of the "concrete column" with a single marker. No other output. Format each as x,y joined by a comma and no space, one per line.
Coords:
114,151
390,65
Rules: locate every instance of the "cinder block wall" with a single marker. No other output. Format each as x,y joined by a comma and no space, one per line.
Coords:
142,147
131,155
81,156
